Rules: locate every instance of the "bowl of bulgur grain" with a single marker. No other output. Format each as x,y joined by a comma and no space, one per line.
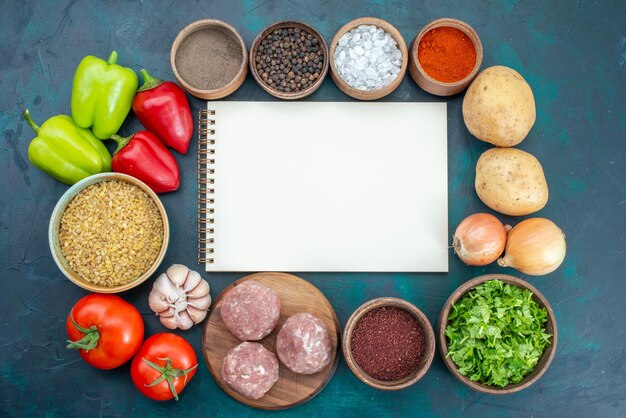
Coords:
108,233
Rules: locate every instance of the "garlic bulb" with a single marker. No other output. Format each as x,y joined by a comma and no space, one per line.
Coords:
180,297
534,246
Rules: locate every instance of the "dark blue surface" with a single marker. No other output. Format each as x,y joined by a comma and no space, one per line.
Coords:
573,54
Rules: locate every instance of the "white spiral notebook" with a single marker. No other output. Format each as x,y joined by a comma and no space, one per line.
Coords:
323,186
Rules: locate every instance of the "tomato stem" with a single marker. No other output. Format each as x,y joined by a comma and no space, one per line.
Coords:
89,340
168,373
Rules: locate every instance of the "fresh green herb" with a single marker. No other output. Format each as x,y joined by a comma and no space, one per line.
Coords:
496,333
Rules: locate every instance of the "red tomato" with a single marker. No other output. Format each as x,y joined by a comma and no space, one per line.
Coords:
163,366
106,330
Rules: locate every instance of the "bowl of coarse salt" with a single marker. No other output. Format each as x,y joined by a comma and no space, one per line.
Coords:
368,58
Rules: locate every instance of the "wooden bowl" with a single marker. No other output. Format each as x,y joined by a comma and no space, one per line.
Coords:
230,87
296,295
280,94
373,94
55,225
429,339
428,83
542,364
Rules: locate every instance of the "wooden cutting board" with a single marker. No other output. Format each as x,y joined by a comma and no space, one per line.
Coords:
296,295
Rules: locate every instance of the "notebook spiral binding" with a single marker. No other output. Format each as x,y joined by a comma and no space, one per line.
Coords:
206,180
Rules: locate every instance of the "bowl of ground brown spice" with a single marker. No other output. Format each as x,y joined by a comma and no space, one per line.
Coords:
209,59
108,233
388,343
445,56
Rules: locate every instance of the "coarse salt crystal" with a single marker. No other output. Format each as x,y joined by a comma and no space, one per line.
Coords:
367,58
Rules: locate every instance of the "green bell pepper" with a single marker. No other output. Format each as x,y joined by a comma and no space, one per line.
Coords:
102,94
65,151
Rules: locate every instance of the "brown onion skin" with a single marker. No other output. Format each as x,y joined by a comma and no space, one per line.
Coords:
479,239
535,246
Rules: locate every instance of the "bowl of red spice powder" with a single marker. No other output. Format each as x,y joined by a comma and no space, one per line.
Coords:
388,343
445,56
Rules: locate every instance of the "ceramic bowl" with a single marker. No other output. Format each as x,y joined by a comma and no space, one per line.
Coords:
432,85
230,87
544,361
290,95
55,224
373,94
429,339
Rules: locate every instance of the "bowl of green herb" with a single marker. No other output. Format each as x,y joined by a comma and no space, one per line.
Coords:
497,334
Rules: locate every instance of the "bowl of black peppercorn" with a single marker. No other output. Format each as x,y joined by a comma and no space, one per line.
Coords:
289,59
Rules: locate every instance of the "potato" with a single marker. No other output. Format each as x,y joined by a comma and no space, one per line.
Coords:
499,107
511,181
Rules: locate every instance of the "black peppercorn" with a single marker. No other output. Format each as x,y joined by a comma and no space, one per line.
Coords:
289,59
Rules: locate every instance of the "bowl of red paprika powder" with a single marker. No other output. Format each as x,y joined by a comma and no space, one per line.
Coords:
445,56
388,343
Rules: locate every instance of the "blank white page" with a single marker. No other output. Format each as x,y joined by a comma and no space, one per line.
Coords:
330,186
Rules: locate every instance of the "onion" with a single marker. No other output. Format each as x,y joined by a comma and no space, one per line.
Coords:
479,239
534,246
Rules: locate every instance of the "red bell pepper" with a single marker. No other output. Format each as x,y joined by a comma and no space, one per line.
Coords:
144,157
163,108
